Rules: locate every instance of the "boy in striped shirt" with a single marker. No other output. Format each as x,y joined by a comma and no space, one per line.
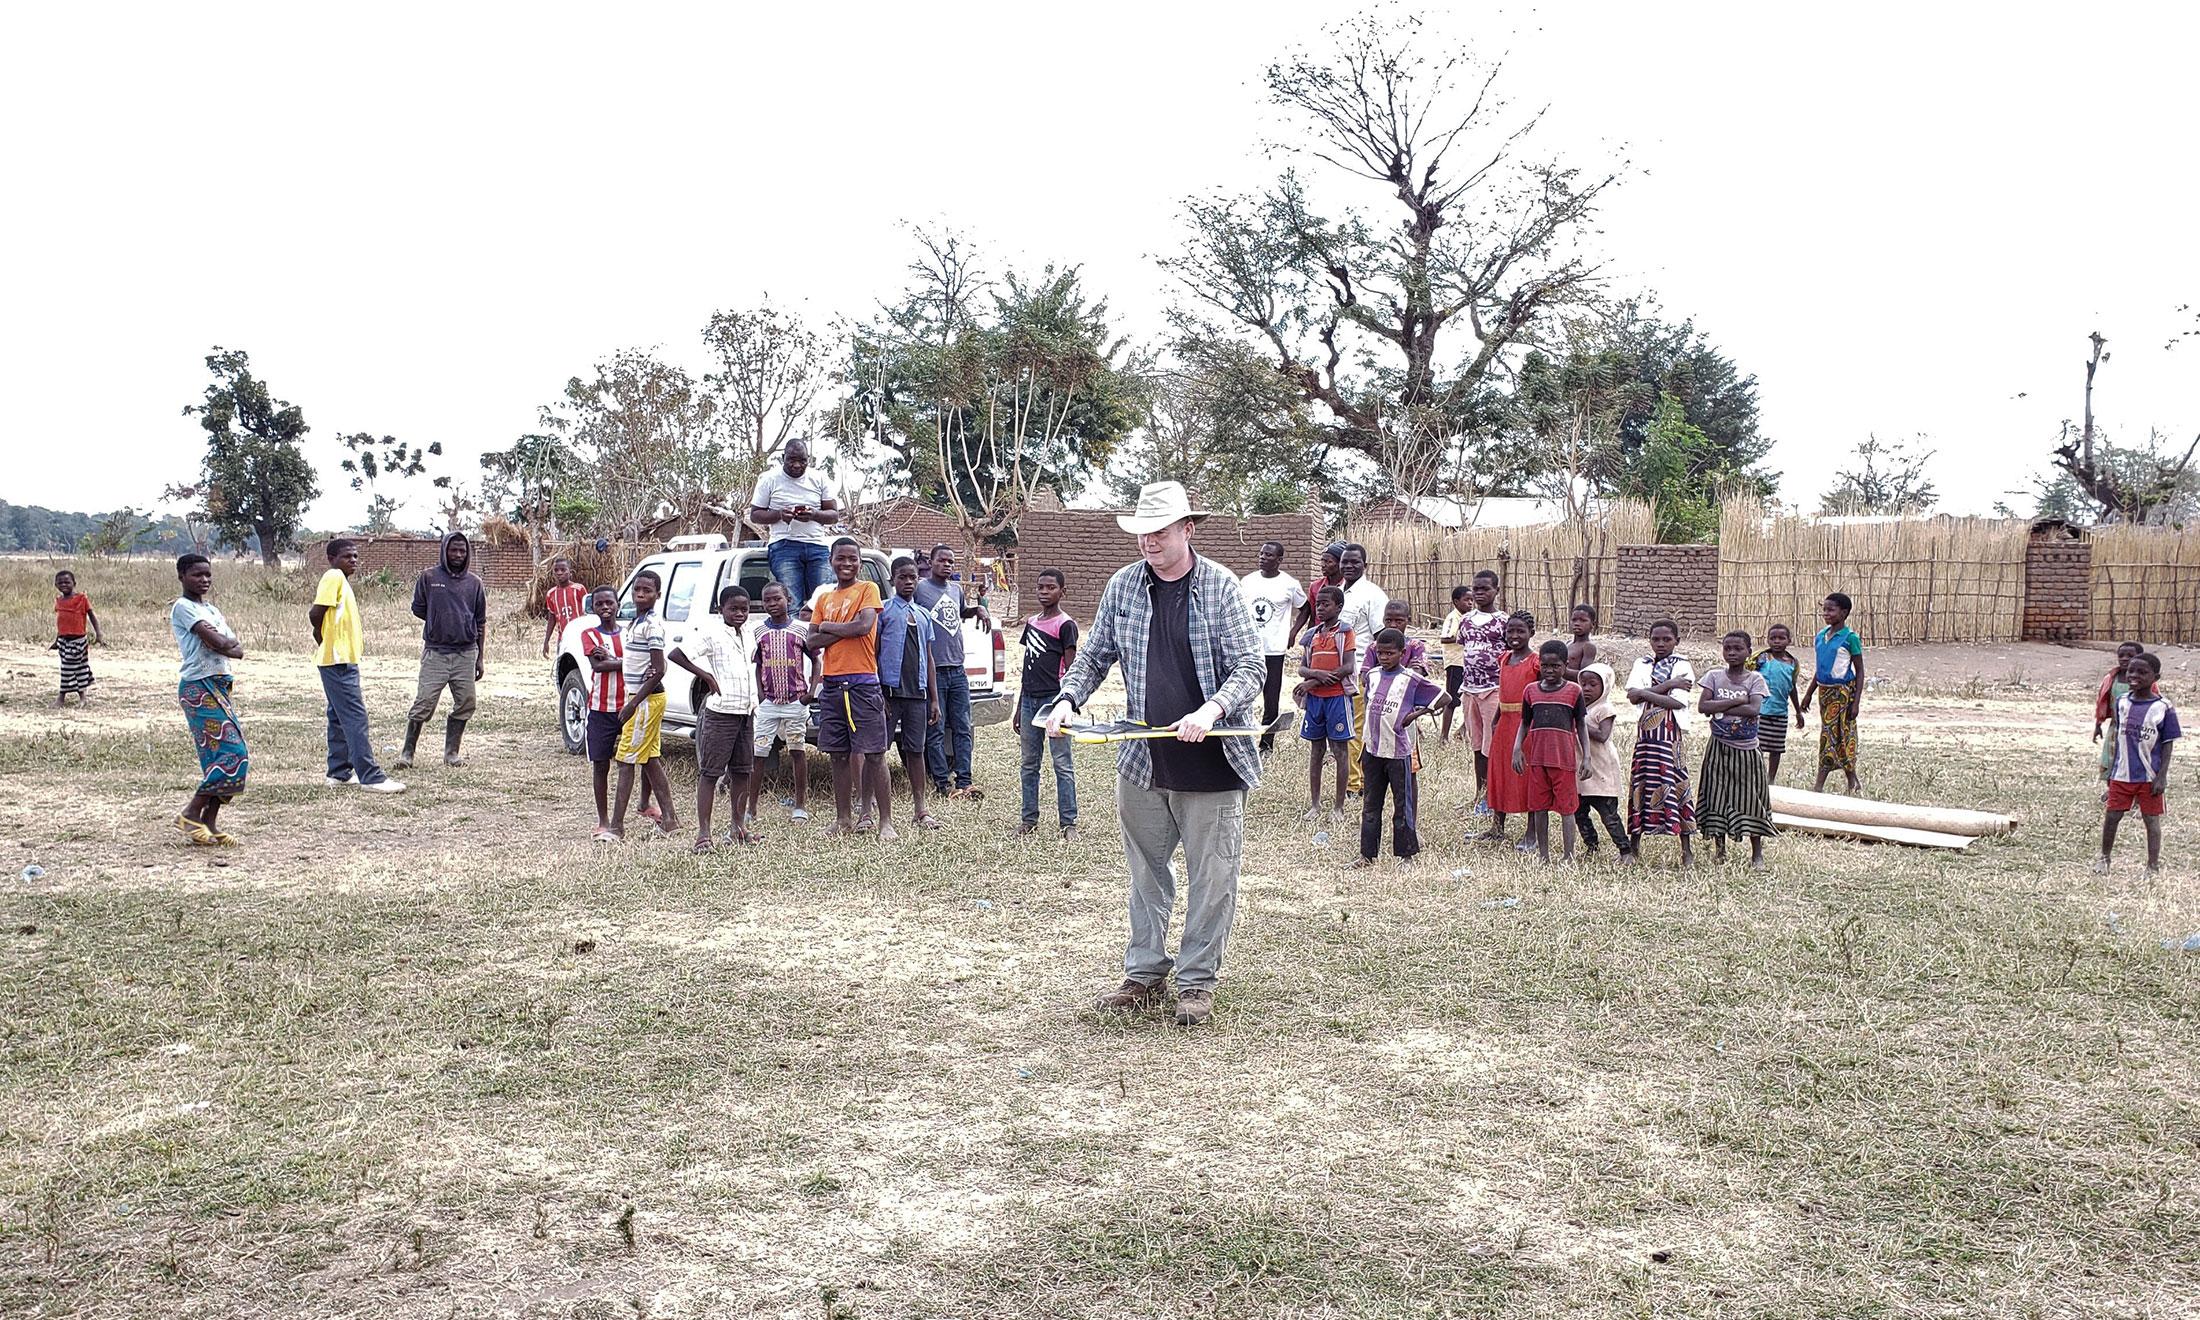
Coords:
1396,697
605,647
2146,726
565,601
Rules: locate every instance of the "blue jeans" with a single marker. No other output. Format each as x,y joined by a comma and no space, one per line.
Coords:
801,567
350,743
1035,740
949,740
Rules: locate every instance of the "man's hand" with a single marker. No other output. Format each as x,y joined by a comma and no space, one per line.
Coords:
1058,715
481,666
2096,731
2160,785
1798,719
1520,763
1193,727
626,712
711,681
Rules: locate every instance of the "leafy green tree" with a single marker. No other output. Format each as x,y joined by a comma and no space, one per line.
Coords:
1889,478
978,394
1678,473
255,479
536,484
118,533
1391,333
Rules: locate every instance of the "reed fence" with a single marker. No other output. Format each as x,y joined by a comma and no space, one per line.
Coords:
1940,579
2146,584
1545,570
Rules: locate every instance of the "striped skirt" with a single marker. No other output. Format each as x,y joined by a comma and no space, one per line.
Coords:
1733,798
1657,789
224,764
1772,734
76,663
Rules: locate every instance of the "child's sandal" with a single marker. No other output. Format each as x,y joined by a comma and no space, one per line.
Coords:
198,835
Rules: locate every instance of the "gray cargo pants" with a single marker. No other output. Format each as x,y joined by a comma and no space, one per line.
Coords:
1211,826
438,670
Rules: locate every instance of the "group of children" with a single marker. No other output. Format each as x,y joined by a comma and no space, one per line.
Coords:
1541,720
863,662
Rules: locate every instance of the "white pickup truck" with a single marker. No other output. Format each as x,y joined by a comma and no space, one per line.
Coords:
693,570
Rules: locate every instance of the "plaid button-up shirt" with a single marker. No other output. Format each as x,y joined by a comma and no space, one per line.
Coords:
1227,652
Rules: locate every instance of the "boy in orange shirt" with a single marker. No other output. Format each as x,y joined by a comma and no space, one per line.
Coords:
851,717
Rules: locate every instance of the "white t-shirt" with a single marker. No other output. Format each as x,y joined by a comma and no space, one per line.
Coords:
776,490
1272,599
1364,603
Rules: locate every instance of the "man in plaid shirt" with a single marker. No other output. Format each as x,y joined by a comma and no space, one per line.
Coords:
1191,659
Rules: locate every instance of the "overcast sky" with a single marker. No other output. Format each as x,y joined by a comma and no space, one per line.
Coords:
420,220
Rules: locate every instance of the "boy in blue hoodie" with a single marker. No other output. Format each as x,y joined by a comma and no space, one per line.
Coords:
454,611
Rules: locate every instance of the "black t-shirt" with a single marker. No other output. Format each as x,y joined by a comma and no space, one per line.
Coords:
911,686
1172,692
1043,656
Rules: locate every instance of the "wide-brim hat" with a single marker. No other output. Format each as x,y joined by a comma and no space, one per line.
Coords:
1159,504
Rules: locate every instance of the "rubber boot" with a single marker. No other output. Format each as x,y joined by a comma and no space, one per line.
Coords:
453,731
412,740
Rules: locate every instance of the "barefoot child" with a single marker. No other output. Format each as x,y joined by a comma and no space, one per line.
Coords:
851,724
2146,727
72,614
1657,789
205,645
718,652
565,601
1517,670
642,717
604,644
1462,600
1481,643
1839,683
1548,751
906,631
1580,651
1397,696
786,685
1325,666
1050,645
1734,797
1783,696
2113,688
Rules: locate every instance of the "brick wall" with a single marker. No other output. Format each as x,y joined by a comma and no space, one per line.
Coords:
903,523
2058,595
501,567
1679,582
1088,547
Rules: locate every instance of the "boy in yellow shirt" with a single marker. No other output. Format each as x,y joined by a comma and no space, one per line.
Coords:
340,639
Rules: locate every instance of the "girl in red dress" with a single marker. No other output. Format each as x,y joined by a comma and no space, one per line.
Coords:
1516,669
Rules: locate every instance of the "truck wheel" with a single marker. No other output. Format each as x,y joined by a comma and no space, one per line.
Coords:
573,713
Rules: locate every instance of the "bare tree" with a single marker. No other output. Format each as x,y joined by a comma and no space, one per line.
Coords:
2125,491
645,437
771,368
1358,315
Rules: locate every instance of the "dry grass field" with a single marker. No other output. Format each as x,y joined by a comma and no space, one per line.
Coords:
435,1056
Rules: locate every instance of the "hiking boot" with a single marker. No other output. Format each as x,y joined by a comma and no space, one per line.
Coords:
1194,1007
1131,996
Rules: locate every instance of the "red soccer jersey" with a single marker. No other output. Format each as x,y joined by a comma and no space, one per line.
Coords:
607,687
70,613
566,604
1325,648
